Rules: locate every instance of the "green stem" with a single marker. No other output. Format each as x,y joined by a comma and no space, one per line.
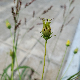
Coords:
12,66
45,47
44,60
12,70
62,63
17,63
11,34
68,67
13,40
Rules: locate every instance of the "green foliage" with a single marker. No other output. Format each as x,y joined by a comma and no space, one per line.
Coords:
5,73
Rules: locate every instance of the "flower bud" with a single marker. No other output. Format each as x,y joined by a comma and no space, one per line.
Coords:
76,50
8,24
11,53
46,31
68,43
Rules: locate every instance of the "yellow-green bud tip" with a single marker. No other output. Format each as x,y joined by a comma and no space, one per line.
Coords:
8,24
76,50
68,43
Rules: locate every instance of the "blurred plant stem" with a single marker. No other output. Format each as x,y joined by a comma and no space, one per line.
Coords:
68,67
61,63
12,67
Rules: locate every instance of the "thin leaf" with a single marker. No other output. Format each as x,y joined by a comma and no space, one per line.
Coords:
7,68
5,71
23,72
73,75
8,76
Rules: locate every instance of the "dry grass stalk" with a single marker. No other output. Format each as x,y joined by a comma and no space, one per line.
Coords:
72,2
45,11
64,10
25,20
71,10
33,13
69,21
61,28
27,4
17,26
39,23
31,28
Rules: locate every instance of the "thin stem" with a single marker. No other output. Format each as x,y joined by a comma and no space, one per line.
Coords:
61,63
12,66
13,40
45,47
16,56
11,34
44,60
68,67
17,64
12,70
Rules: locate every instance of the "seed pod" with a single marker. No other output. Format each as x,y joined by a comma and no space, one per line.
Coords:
8,24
